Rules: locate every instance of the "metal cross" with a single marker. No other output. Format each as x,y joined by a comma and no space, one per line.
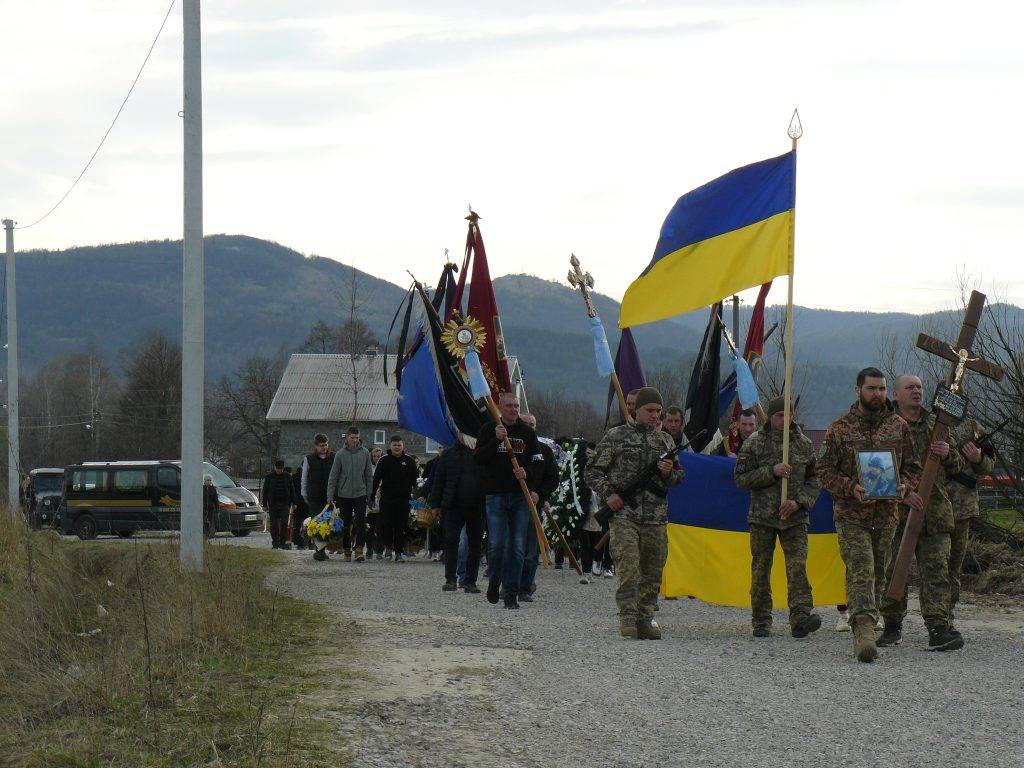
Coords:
584,281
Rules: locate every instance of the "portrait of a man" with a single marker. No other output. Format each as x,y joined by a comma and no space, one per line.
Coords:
878,474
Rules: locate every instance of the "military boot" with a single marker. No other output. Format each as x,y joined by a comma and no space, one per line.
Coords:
944,638
627,628
892,635
864,638
647,630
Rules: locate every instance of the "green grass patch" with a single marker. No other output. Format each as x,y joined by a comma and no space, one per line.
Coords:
1004,518
110,656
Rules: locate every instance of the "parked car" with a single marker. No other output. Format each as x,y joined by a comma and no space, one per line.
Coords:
42,496
121,497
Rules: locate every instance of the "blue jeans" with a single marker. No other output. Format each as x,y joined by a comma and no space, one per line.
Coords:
507,519
460,569
530,563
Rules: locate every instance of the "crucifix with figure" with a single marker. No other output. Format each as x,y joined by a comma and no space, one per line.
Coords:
950,408
584,282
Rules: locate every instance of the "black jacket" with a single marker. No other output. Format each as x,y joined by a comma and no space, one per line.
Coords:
496,466
395,476
277,492
547,480
456,481
210,501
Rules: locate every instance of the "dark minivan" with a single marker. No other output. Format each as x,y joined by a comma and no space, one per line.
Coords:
121,497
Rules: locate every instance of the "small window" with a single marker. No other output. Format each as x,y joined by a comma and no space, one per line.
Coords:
431,446
131,480
84,481
168,478
379,437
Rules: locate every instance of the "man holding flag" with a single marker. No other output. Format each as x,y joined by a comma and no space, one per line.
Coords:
760,470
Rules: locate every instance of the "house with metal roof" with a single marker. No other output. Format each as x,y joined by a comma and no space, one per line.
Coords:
328,393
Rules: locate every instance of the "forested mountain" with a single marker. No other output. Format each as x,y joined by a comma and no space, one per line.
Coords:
263,297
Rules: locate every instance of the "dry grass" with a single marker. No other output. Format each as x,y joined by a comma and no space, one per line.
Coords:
110,656
993,567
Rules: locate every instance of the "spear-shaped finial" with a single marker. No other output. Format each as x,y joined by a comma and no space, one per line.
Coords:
796,128
473,216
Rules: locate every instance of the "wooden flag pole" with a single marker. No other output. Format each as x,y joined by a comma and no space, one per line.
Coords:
626,418
795,132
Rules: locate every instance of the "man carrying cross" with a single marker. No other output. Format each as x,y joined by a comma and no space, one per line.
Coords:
933,545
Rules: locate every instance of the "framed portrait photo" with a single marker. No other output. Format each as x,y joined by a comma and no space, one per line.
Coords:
878,475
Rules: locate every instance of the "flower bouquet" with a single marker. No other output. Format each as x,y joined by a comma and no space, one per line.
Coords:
324,530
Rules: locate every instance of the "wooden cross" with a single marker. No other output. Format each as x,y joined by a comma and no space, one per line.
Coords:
584,282
950,409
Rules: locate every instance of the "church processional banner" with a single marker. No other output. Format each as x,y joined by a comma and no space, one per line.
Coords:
709,541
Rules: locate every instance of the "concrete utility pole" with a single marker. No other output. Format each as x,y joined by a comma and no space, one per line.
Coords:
13,451
192,304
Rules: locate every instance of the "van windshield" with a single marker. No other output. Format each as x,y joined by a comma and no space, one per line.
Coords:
220,480
47,483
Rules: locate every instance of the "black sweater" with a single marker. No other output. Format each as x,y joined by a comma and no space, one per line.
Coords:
495,465
278,492
395,476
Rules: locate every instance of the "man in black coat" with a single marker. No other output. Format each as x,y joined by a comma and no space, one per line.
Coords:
316,473
277,497
547,482
395,475
456,490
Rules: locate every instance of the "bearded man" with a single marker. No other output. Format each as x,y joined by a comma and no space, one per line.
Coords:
866,526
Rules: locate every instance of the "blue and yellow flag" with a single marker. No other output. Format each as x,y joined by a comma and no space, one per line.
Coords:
731,234
709,541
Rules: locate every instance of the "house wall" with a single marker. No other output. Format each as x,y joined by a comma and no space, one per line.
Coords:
297,438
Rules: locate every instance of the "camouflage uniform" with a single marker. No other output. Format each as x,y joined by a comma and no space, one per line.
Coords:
638,540
865,528
759,454
965,507
932,550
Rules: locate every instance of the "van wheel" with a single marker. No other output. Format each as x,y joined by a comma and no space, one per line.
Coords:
85,527
241,533
125,534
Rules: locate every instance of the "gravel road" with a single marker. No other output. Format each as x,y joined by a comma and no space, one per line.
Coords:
446,679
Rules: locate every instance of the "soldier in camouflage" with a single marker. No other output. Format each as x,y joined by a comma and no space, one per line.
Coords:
866,527
759,469
638,540
963,495
933,545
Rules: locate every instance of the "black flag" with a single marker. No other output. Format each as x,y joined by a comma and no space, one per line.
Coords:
702,394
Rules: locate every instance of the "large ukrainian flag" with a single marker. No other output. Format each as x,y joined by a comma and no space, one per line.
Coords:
731,234
709,541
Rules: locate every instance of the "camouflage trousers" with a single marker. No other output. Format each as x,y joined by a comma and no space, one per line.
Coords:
932,555
957,552
865,552
762,552
640,551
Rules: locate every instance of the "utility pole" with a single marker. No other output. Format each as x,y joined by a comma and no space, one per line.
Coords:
13,451
736,318
192,304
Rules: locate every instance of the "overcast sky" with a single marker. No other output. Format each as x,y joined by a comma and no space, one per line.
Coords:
361,130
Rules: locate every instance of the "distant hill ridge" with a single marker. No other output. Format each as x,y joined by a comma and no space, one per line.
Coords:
262,296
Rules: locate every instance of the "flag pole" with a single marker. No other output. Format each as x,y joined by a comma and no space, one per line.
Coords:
795,131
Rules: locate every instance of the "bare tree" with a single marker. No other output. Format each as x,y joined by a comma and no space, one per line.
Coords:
149,410
237,409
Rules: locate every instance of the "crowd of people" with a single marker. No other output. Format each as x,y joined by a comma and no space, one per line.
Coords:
481,487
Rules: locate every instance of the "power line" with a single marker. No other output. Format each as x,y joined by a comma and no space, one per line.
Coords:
112,122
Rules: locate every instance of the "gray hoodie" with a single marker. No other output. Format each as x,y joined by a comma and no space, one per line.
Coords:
351,473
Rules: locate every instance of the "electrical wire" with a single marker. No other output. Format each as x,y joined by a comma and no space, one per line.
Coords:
113,122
